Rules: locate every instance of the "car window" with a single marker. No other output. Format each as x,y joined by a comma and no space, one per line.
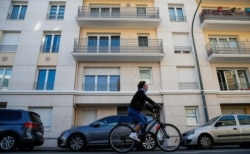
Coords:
210,122
113,120
227,121
10,115
244,119
35,117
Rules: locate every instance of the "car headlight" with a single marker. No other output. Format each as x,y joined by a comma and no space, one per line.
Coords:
65,133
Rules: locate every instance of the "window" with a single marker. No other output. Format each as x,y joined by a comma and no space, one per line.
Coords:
5,74
18,11
182,43
9,42
45,115
146,75
176,13
46,79
233,79
244,119
51,42
105,11
227,121
187,78
141,11
102,79
225,44
56,11
192,115
103,44
143,41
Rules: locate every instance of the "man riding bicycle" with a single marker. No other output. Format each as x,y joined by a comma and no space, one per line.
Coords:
137,103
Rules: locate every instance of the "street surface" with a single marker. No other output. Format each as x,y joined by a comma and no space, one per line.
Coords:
215,150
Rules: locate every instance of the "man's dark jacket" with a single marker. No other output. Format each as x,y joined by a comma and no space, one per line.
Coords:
139,100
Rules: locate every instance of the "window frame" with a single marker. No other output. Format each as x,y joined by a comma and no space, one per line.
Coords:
3,78
223,80
149,69
52,44
103,43
58,13
175,17
19,15
195,116
44,84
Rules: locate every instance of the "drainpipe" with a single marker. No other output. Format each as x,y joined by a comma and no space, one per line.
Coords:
198,66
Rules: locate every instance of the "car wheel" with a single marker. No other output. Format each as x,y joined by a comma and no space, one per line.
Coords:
205,142
8,142
77,143
149,143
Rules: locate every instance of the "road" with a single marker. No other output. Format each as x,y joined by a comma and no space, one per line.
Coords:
215,150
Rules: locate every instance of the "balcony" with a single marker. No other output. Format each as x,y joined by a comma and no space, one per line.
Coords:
125,50
118,17
234,86
221,1
229,52
225,20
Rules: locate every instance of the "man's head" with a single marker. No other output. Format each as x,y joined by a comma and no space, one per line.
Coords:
142,84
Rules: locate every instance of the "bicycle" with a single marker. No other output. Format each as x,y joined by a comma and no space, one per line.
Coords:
167,136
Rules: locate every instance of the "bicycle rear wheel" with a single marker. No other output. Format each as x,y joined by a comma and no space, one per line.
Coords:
119,138
168,137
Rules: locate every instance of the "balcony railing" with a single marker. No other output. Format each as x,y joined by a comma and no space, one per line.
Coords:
43,86
229,87
50,48
112,87
8,48
4,85
210,14
121,12
124,46
239,47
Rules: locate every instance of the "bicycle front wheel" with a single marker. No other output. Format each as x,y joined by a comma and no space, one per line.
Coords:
168,137
119,138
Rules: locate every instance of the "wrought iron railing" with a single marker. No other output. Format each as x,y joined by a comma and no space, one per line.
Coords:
121,46
212,14
101,87
238,86
43,86
4,85
55,16
239,47
50,48
120,12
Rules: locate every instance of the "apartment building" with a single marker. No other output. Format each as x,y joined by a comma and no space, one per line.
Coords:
75,61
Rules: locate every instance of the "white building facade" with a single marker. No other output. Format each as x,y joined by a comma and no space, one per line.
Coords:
75,61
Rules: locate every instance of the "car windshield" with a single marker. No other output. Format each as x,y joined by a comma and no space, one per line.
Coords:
210,122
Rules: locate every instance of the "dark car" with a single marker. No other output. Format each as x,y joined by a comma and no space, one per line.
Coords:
95,134
20,128
221,130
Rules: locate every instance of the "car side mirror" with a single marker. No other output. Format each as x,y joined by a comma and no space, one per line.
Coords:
218,124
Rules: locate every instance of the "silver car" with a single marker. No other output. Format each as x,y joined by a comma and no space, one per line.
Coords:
221,130
95,134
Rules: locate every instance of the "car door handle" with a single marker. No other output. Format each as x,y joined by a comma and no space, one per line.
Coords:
234,128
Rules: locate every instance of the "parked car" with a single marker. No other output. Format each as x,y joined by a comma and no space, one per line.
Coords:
222,130
95,134
20,128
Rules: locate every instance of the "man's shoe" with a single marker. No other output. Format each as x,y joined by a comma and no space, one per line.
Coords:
134,136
